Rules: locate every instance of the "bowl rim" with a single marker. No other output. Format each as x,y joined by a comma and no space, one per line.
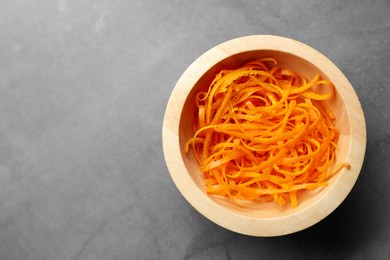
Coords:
272,226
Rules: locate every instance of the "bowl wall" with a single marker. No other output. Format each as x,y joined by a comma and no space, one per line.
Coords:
285,60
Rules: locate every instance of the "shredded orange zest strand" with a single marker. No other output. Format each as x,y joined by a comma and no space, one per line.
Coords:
263,133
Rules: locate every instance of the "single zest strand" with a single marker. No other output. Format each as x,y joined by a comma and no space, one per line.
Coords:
265,133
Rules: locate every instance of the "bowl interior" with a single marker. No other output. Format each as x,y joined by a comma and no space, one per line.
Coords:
287,60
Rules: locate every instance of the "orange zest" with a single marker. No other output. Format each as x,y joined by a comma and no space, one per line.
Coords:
264,133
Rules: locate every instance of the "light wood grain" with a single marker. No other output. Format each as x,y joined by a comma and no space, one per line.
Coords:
263,219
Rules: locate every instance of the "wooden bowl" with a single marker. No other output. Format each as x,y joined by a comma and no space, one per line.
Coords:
263,219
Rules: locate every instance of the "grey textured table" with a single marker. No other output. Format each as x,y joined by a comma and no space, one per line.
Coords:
83,89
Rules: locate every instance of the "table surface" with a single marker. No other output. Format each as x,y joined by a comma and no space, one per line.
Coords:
83,90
